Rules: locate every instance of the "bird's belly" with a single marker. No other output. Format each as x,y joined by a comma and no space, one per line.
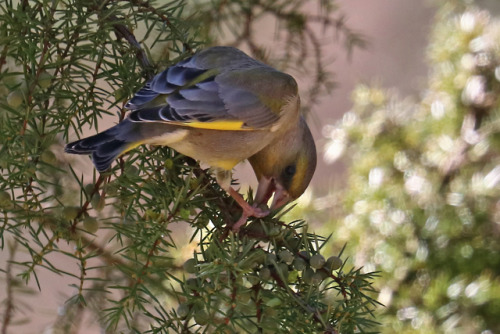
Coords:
223,149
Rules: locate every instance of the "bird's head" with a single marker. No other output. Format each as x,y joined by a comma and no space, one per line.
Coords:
286,167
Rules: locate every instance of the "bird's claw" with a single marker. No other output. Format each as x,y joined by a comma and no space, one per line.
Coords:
255,211
249,211
241,222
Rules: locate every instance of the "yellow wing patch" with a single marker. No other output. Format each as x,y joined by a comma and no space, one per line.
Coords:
218,125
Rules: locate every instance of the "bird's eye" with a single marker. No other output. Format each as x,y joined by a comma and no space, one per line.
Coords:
290,171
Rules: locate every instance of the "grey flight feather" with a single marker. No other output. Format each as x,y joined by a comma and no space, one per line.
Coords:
217,84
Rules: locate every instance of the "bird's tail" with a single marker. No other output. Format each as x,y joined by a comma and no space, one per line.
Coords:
104,147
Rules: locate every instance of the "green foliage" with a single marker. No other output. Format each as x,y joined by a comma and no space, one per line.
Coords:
422,204
121,237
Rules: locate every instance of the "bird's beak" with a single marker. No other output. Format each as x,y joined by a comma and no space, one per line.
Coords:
281,197
265,190
268,186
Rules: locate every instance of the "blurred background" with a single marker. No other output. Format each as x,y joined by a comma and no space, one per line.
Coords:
397,33
392,189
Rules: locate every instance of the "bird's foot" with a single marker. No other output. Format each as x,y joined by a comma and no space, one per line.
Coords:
240,223
248,210
255,211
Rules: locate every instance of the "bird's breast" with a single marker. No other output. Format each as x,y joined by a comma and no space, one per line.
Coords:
222,149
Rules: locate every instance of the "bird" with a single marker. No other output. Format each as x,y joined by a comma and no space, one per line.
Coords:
221,107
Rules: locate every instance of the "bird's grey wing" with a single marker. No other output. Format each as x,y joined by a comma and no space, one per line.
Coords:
191,93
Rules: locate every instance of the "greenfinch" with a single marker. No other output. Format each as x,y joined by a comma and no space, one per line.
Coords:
221,107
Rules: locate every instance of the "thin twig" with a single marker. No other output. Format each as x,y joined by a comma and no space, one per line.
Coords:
122,31
9,300
146,5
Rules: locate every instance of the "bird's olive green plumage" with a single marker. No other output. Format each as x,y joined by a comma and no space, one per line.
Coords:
219,106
